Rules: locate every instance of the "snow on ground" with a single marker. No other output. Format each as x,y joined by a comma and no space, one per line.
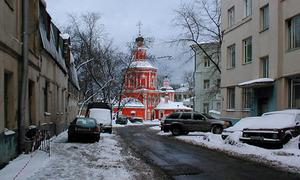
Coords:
102,160
286,158
146,122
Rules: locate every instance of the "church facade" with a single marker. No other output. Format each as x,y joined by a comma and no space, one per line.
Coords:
141,96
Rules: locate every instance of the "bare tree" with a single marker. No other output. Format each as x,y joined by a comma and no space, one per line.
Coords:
98,62
200,23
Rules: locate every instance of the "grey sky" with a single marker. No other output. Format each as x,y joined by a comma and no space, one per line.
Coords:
120,18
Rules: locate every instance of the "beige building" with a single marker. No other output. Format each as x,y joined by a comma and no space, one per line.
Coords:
260,56
52,93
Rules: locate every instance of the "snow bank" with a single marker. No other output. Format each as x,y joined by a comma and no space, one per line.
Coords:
287,158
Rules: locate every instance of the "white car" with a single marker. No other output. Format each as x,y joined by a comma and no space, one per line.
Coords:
239,126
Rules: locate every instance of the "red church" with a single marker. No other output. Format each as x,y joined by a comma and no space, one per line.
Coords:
141,96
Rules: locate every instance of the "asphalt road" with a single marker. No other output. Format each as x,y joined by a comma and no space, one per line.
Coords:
180,160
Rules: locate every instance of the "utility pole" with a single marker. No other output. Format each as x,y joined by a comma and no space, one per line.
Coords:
24,76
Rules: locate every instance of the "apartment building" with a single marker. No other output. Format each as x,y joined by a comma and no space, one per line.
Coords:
260,56
207,78
52,91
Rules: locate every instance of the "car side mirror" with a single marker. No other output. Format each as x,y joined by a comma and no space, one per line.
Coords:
297,123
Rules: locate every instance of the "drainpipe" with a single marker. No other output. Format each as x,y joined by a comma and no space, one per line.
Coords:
194,74
24,76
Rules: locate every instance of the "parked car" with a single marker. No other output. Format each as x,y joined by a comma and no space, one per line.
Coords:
102,112
122,120
276,127
83,129
135,119
181,123
239,126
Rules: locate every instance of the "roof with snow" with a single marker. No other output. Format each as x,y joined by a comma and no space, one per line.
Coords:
142,64
182,89
131,102
257,82
171,105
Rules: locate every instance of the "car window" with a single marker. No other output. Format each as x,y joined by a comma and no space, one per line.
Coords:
174,116
87,123
198,117
208,116
186,116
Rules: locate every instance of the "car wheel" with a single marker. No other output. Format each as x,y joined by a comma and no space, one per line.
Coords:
217,130
176,131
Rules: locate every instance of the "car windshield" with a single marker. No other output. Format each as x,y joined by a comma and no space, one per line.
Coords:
208,116
86,122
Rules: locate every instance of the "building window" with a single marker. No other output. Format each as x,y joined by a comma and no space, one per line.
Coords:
294,32
231,98
231,56
248,7
247,98
247,50
295,95
206,84
206,61
218,83
218,106
205,107
264,67
231,17
264,17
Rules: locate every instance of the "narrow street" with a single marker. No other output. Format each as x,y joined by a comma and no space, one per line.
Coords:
180,160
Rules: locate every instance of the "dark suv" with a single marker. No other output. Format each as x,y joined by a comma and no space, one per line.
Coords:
181,123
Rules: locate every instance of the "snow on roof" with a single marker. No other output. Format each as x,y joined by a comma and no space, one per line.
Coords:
172,105
142,64
131,102
182,89
260,80
65,36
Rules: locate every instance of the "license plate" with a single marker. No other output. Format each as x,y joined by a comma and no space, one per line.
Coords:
257,138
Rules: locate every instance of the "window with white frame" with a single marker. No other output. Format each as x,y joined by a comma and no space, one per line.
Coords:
231,16
294,32
247,98
231,98
248,7
206,61
294,94
247,50
265,17
231,56
264,67
206,84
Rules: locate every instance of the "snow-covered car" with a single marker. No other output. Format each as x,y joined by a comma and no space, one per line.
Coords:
83,129
276,127
102,112
239,126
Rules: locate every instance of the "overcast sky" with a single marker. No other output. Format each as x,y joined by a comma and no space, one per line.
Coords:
120,18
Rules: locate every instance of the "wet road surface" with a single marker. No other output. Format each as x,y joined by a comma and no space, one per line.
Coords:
180,160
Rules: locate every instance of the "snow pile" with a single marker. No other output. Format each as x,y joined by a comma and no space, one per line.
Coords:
260,80
288,157
155,128
8,132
